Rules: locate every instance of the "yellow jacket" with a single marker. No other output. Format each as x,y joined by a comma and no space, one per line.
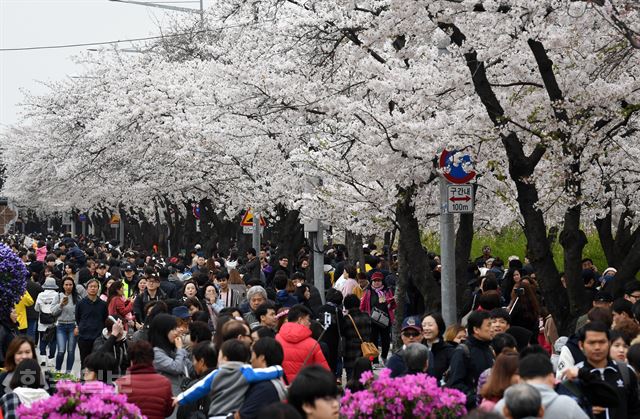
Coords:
21,309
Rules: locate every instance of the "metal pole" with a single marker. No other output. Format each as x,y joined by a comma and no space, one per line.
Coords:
256,232
447,259
317,244
121,231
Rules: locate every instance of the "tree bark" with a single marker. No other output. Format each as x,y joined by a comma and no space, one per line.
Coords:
464,239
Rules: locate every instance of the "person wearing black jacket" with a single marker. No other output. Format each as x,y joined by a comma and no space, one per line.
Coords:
594,342
91,314
34,289
330,315
433,328
153,292
471,358
113,340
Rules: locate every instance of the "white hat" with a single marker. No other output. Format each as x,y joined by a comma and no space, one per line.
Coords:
50,284
614,270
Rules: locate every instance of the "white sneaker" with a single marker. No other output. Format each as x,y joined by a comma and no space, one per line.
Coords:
51,362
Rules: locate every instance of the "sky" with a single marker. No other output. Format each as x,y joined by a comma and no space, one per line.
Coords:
29,23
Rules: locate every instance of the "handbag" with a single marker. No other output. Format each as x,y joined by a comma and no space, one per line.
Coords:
369,350
379,317
47,318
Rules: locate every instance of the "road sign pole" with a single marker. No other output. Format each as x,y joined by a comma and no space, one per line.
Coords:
317,241
256,231
447,258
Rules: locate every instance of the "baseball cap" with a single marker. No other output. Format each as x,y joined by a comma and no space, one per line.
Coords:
129,267
603,297
411,322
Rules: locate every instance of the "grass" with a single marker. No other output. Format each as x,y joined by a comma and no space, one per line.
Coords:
511,241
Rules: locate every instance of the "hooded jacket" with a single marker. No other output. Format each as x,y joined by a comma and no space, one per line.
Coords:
227,386
555,405
297,344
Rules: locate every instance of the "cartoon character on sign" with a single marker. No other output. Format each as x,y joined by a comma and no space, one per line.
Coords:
457,167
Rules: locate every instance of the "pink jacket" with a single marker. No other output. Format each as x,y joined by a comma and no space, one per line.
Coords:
41,253
365,302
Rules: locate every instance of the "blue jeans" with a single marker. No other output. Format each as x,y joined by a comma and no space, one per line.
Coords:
66,343
43,346
32,329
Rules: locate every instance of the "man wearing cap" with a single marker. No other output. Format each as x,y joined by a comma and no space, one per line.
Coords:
44,305
130,280
102,273
411,333
601,299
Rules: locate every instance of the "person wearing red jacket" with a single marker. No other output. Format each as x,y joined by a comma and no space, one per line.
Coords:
300,349
144,387
118,305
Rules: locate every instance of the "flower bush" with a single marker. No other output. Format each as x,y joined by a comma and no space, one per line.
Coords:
94,400
403,397
13,279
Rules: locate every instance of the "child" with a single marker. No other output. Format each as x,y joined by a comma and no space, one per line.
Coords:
228,384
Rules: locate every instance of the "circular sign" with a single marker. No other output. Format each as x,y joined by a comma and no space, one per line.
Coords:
457,167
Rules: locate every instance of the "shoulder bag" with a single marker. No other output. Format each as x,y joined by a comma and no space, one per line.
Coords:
369,350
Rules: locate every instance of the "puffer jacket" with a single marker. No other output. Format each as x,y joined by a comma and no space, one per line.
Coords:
148,390
297,344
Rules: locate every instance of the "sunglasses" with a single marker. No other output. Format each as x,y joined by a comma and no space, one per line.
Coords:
411,334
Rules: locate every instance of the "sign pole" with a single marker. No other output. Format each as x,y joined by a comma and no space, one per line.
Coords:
256,231
447,258
317,241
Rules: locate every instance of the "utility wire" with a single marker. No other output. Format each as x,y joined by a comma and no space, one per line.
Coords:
86,44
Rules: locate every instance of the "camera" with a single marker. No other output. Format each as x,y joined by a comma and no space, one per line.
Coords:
520,292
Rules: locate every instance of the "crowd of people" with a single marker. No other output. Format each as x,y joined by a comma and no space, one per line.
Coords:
244,336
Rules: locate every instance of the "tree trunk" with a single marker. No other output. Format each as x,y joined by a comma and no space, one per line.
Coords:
464,238
413,266
573,241
353,242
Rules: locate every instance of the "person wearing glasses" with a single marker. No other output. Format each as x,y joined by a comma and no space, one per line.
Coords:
411,333
152,292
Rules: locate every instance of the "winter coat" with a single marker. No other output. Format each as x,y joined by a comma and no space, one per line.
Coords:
118,348
297,344
352,350
284,299
148,390
442,353
368,300
34,289
142,300
252,269
466,366
333,334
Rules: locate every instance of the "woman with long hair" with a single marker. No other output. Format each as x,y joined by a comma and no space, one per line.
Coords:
65,310
20,348
117,304
169,356
27,385
525,310
504,373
